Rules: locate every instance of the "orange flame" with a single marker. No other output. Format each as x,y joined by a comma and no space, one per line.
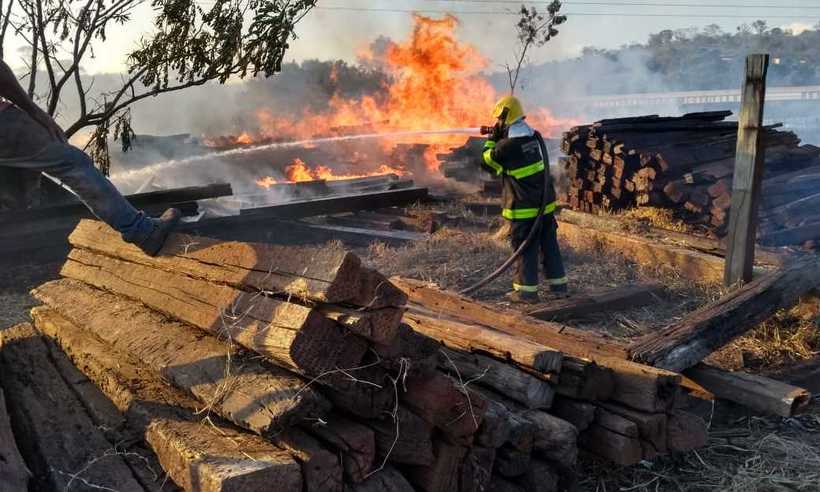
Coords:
298,172
436,84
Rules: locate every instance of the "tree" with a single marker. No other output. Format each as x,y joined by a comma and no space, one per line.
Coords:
191,45
534,29
760,27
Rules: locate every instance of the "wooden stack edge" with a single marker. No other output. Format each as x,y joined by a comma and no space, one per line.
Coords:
687,164
622,410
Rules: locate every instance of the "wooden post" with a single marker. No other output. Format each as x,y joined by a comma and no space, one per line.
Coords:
749,161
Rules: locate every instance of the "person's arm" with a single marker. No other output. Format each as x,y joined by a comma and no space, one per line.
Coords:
11,89
493,156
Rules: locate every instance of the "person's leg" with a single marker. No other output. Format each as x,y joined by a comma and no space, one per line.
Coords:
30,147
553,264
525,280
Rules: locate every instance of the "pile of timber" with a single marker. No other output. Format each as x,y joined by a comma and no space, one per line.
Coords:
621,411
240,364
686,163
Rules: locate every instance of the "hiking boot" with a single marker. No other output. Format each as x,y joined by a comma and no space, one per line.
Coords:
520,297
162,227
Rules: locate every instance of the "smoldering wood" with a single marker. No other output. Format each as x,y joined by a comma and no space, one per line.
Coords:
13,470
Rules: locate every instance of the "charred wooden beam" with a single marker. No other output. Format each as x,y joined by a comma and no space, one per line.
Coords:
339,204
759,393
687,342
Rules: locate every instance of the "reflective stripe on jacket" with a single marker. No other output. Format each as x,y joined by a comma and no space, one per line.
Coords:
520,165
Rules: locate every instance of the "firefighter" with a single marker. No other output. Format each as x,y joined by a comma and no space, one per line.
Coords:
515,152
31,140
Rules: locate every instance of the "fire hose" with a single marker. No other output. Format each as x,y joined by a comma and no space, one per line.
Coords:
536,228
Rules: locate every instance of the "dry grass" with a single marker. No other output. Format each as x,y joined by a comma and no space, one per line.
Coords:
749,454
455,259
661,218
792,335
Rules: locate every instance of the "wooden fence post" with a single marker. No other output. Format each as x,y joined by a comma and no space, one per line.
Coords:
749,161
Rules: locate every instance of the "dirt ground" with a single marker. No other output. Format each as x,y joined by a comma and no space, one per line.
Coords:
15,284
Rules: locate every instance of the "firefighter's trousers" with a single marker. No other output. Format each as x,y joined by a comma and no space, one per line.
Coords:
546,243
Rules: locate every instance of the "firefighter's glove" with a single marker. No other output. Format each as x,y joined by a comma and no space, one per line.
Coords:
499,130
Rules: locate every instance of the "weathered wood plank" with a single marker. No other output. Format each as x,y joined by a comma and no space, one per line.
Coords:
748,176
477,470
405,439
385,480
651,426
470,337
571,341
291,335
690,264
617,448
685,431
438,399
321,469
541,477
502,377
354,441
586,305
496,427
261,398
687,342
14,474
195,455
581,414
325,274
444,474
60,438
759,393
340,204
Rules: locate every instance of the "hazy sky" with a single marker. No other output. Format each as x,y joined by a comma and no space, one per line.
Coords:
337,28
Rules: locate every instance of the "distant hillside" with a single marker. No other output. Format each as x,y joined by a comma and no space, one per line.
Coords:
687,59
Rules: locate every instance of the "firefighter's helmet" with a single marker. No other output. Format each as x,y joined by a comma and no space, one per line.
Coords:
515,111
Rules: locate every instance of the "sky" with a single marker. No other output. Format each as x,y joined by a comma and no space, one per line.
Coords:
337,29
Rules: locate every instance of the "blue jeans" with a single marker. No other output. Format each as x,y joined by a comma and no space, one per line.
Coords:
24,144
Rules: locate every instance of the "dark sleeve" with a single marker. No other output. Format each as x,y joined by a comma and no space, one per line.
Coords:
493,156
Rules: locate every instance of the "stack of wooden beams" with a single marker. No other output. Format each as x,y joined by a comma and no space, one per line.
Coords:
686,163
330,380
621,411
299,355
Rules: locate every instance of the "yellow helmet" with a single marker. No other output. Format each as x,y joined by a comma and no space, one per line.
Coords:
515,109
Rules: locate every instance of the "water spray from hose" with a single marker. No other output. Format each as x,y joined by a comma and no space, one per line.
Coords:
160,166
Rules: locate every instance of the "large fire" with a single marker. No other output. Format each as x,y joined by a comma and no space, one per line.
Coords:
435,84
298,172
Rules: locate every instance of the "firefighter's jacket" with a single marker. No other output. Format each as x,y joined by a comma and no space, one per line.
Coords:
519,163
